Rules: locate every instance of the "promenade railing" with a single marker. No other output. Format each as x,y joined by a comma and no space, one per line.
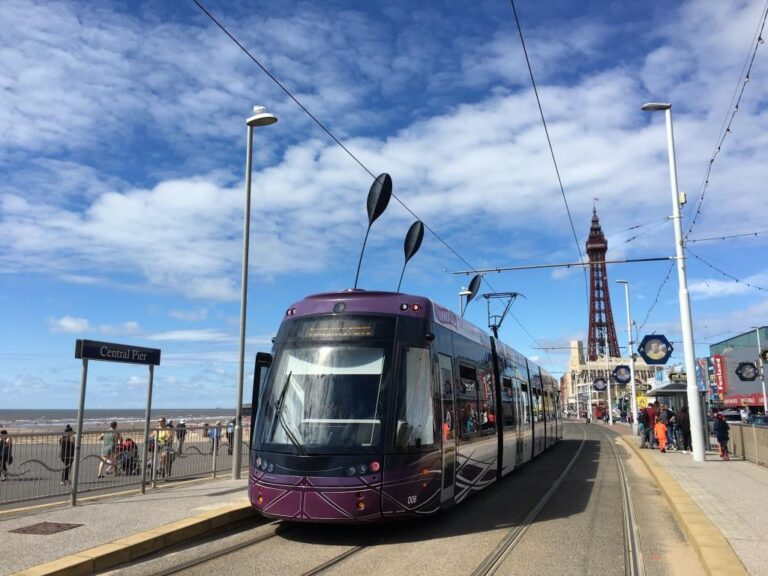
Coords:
36,470
749,442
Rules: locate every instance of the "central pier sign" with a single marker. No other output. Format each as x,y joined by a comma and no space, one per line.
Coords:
109,352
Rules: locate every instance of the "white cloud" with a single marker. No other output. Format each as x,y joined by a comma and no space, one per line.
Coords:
189,315
69,324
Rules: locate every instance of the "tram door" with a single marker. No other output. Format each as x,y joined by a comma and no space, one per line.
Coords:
448,426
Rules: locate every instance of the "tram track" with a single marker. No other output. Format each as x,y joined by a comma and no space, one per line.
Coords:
177,568
493,562
633,555
496,558
633,558
278,529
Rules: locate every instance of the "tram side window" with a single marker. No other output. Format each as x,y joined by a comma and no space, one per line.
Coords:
467,396
525,404
415,413
487,416
507,402
446,379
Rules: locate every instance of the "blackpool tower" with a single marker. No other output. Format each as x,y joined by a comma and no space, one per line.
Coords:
602,332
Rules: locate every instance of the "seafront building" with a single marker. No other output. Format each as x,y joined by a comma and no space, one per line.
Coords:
577,384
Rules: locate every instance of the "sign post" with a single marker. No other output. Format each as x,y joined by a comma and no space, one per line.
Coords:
110,352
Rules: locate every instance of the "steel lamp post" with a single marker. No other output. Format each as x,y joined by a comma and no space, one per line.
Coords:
259,118
762,369
631,349
692,389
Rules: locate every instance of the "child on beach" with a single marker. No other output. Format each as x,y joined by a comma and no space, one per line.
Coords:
660,431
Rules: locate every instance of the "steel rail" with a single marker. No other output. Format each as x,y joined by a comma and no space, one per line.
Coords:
219,553
633,555
495,559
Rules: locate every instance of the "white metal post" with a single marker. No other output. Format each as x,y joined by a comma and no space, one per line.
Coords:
694,399
631,350
762,371
243,305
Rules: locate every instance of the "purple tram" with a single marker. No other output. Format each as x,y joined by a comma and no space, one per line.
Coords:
381,405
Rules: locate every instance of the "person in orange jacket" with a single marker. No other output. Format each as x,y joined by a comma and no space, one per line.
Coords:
660,431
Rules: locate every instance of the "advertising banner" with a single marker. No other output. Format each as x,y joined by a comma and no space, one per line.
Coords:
719,374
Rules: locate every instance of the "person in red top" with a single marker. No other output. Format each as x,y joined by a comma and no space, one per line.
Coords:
648,420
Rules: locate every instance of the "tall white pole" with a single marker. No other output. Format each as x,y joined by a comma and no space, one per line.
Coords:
762,370
608,381
237,458
694,399
631,349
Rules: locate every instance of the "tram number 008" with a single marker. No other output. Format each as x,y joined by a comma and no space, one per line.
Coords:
412,499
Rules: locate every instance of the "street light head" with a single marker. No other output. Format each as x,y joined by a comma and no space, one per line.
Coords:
261,117
655,106
621,282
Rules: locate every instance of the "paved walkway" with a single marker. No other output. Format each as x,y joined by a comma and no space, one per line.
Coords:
115,529
722,507
729,498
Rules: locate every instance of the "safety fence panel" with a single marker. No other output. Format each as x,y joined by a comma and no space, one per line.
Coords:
37,466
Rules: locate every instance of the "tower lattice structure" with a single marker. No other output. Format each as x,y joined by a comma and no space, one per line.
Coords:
602,331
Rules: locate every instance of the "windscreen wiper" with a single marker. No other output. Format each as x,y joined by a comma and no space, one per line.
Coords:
278,406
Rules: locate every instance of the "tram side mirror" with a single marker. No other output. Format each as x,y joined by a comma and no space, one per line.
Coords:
263,362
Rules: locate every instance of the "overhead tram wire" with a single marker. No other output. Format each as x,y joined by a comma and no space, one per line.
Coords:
340,144
322,126
748,234
741,85
737,280
549,142
724,131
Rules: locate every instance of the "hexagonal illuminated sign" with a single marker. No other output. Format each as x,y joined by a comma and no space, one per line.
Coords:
655,349
747,371
622,374
599,384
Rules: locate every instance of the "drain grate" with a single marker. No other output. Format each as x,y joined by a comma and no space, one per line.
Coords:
45,528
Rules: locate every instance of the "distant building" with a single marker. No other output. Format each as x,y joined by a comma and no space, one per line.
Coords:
576,386
727,356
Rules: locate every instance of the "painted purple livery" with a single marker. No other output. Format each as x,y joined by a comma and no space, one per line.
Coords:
380,405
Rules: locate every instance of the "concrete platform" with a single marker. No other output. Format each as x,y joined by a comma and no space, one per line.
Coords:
721,506
112,530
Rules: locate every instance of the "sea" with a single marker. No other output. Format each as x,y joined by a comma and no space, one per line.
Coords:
56,420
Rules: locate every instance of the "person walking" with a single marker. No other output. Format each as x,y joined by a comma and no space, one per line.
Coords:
181,433
109,443
648,420
660,430
230,435
163,441
66,452
722,432
6,454
684,425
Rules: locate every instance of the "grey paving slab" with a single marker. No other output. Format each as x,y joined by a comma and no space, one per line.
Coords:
108,519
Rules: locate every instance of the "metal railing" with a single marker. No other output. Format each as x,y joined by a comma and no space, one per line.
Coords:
36,468
749,442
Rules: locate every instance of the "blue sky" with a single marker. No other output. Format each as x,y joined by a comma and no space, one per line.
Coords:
122,154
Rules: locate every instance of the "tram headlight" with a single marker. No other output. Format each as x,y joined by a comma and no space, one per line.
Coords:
351,470
362,468
258,462
271,468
